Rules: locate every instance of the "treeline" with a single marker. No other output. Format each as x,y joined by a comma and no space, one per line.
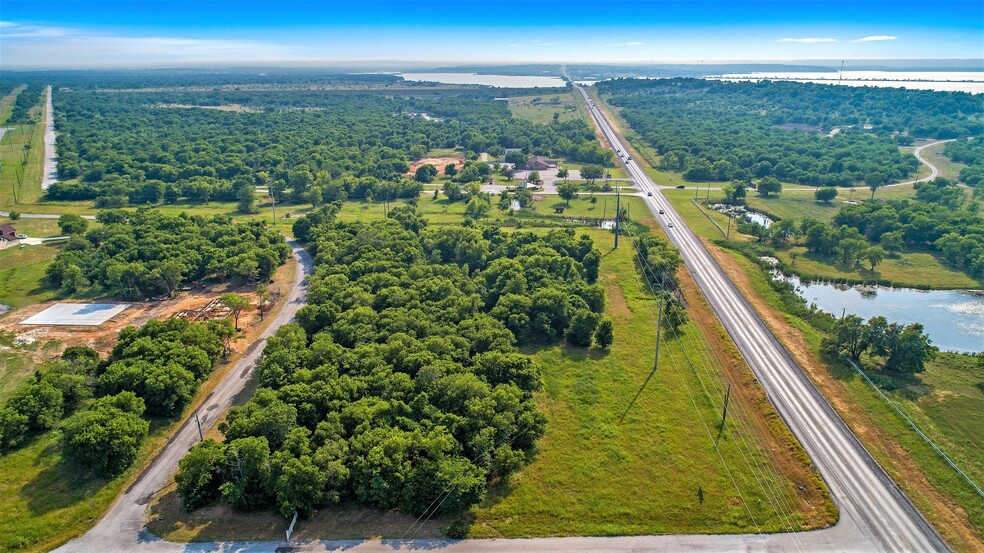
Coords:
121,148
712,131
28,98
146,253
400,382
970,152
103,407
888,111
934,219
230,77
904,349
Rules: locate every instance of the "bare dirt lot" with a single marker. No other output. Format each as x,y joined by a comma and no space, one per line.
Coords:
439,162
194,305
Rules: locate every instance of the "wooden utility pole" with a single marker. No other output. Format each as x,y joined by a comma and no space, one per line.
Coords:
618,212
724,415
659,331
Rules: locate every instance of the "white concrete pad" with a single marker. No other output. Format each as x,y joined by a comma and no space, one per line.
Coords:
77,314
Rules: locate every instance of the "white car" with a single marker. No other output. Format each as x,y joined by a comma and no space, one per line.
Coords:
670,225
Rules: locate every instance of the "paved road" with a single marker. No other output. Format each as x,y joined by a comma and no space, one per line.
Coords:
121,529
883,518
50,174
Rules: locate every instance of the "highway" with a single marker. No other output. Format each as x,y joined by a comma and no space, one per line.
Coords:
885,519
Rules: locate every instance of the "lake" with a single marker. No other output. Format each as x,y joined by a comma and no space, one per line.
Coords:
941,81
954,319
499,81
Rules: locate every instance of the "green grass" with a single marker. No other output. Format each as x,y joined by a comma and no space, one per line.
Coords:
595,474
22,274
27,189
912,269
7,103
543,112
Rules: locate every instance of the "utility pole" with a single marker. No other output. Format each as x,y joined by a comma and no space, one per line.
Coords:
724,415
618,212
659,331
201,438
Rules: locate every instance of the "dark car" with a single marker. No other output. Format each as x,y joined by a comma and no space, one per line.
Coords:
681,187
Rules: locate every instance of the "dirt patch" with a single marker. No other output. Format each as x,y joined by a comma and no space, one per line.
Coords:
197,305
235,108
439,162
615,297
946,516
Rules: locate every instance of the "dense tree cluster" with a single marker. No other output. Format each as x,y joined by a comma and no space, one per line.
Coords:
153,371
720,131
400,381
970,152
147,253
905,349
133,148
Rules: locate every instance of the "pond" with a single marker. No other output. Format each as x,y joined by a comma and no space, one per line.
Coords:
954,319
500,81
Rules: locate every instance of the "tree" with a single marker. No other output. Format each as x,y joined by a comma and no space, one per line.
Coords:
246,473
533,178
262,297
591,173
14,216
826,194
892,241
247,199
591,264
450,170
769,185
875,255
604,333
909,349
563,173
849,335
874,181
734,192
199,474
299,487
71,223
426,173
107,436
236,303
582,328
567,191
453,191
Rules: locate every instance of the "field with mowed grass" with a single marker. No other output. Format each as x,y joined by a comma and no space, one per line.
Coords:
541,108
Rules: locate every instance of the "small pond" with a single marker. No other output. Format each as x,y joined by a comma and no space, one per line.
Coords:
954,319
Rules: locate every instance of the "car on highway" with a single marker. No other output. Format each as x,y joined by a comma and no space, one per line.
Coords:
670,225
661,212
649,193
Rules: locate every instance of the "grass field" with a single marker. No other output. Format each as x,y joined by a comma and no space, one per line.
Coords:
20,181
7,103
22,274
543,111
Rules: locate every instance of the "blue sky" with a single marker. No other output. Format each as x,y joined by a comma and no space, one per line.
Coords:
59,33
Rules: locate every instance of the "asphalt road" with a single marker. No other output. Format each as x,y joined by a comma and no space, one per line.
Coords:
121,529
50,174
875,514
884,519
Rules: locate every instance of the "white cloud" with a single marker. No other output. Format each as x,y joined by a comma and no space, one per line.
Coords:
875,38
623,44
808,40
39,46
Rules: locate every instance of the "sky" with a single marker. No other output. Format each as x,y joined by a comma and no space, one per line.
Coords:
146,33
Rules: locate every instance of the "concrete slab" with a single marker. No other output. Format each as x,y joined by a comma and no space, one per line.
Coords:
77,314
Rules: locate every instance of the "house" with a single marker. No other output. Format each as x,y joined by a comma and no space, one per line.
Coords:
540,163
7,233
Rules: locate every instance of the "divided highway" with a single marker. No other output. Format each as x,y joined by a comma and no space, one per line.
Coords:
868,499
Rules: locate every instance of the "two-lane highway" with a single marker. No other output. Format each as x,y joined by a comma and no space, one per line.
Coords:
868,499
